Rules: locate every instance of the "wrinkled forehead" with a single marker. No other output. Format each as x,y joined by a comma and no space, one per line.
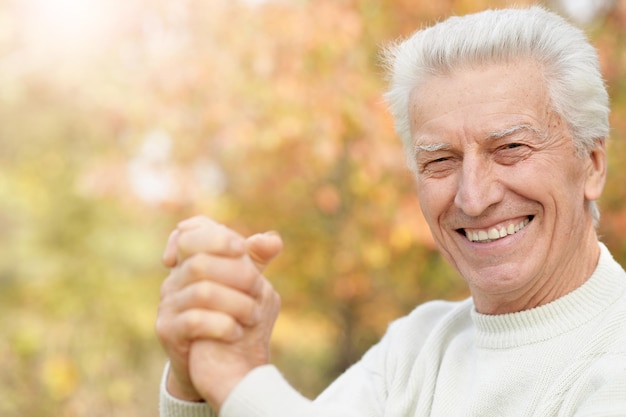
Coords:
523,73
480,91
486,103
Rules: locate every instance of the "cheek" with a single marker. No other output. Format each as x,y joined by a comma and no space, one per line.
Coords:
548,184
435,198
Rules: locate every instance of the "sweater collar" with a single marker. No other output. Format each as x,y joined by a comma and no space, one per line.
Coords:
605,286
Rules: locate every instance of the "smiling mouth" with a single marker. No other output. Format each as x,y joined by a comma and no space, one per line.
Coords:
490,235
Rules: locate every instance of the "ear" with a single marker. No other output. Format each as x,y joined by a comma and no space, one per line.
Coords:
595,167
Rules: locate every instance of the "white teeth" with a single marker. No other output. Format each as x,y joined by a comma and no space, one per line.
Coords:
494,234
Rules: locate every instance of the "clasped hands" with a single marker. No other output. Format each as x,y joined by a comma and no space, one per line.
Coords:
217,310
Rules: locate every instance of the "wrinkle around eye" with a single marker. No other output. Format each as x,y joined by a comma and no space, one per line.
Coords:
438,168
512,153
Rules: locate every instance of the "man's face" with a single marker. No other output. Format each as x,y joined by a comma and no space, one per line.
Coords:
501,186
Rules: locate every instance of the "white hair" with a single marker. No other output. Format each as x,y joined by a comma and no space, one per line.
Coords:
570,66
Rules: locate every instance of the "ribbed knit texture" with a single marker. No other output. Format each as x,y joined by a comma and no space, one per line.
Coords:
566,358
173,407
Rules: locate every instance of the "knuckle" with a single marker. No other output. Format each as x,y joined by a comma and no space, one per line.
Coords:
196,266
226,329
166,286
195,222
159,329
184,243
270,294
192,322
250,277
215,325
267,289
249,312
204,292
162,330
275,301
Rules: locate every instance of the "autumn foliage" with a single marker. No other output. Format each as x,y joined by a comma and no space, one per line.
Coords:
260,114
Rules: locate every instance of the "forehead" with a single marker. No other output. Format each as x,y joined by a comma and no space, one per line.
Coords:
478,101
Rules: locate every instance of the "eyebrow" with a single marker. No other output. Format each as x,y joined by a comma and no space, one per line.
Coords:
498,134
432,147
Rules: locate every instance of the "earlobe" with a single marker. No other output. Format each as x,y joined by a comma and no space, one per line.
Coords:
596,171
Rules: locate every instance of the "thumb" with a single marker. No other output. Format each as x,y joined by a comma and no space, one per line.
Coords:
263,247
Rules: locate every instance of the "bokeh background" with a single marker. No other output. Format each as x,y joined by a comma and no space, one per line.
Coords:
118,118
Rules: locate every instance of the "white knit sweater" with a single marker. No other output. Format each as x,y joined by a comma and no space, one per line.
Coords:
564,359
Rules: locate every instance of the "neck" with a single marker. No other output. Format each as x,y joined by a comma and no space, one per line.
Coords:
574,268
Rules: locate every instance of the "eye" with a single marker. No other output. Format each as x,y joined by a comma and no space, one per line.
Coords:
512,153
433,164
438,166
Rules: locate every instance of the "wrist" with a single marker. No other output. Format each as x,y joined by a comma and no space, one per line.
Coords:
221,387
183,392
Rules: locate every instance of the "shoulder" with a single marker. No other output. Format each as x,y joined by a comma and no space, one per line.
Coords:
430,324
428,316
600,389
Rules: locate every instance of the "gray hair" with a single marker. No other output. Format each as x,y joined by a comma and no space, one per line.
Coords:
570,66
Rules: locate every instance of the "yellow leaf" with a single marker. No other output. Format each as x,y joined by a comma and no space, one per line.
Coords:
59,376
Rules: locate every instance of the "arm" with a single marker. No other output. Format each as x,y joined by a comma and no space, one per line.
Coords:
218,346
265,393
602,392
358,392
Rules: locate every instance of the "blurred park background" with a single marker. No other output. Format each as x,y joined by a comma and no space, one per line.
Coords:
118,118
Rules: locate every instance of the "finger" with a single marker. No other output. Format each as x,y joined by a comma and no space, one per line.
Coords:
209,237
195,222
264,247
270,302
215,297
238,273
199,324
169,255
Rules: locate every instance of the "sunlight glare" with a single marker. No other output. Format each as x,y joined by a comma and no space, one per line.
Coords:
66,24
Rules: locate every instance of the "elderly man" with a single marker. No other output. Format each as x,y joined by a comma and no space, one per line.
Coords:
504,118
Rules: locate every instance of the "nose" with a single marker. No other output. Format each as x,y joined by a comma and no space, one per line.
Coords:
478,186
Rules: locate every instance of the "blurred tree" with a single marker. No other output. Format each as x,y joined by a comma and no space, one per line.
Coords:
261,114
